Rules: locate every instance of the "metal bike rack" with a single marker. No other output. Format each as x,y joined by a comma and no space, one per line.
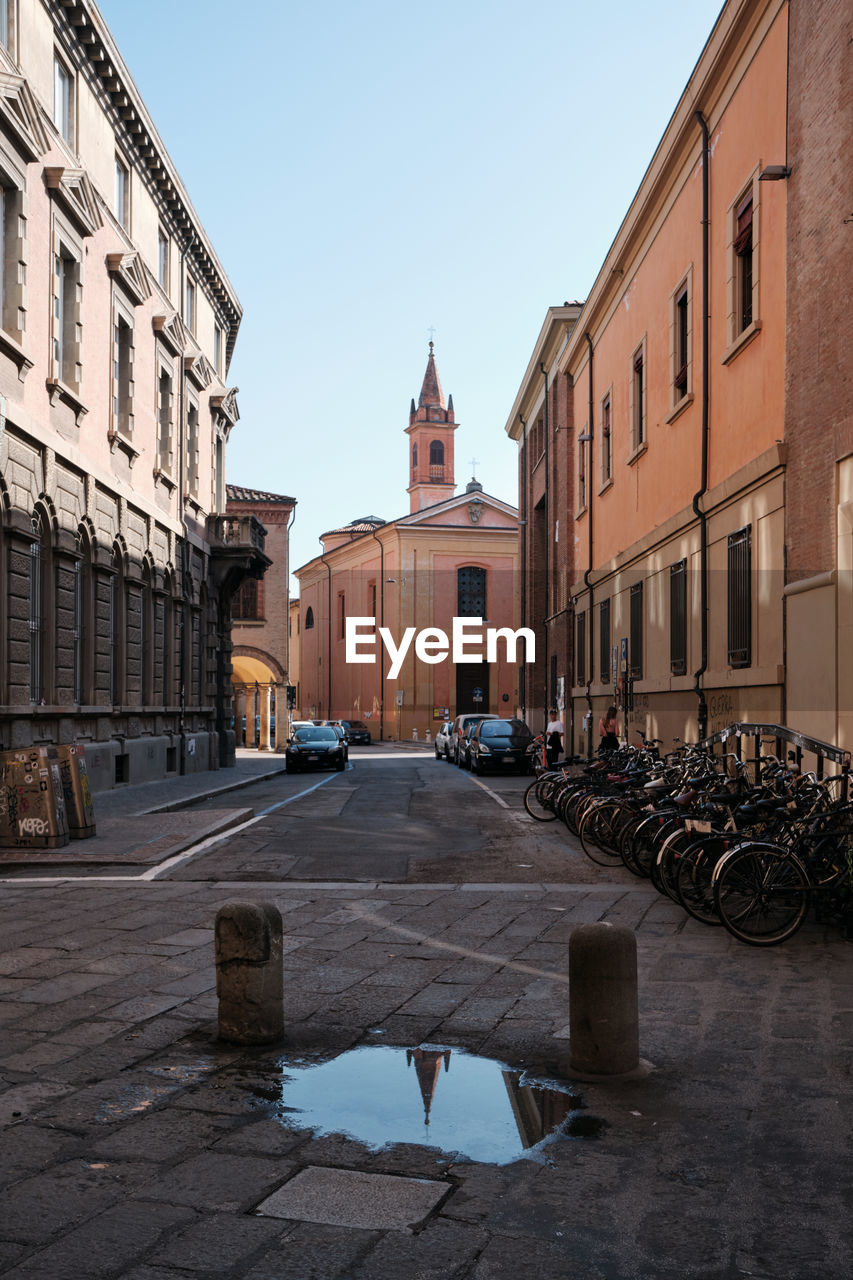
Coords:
779,734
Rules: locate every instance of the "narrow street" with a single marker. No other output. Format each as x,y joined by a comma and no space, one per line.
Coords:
397,817
426,922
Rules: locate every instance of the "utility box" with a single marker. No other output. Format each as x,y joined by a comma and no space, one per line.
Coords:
79,810
32,804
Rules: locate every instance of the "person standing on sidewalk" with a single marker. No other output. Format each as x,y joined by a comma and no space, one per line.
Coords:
608,731
553,738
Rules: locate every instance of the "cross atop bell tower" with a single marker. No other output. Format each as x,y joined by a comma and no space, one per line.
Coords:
431,427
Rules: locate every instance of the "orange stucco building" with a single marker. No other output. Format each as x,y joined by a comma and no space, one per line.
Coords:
673,386
452,555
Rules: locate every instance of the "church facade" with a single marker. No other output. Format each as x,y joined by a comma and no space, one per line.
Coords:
454,555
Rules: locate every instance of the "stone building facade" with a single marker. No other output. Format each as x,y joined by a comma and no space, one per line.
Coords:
260,624
118,324
704,482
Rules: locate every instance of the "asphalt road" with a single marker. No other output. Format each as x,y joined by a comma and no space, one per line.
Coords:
399,818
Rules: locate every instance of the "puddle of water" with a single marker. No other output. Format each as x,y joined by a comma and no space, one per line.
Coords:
462,1105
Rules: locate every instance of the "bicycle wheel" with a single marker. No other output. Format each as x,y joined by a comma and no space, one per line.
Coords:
596,834
694,878
669,856
535,800
761,894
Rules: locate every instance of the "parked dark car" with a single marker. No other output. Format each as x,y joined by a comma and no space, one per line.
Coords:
463,744
499,745
314,747
341,732
357,731
460,724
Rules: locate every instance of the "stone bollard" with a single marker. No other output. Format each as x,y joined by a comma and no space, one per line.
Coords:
249,972
604,1035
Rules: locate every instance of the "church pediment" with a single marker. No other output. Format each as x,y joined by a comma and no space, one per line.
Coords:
131,271
19,115
72,188
466,511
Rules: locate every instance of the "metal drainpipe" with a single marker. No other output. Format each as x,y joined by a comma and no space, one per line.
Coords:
329,630
382,624
587,577
700,514
290,525
182,516
523,523
547,551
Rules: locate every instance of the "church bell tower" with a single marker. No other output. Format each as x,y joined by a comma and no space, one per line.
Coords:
430,431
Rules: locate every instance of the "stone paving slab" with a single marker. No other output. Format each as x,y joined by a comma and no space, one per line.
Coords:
345,1198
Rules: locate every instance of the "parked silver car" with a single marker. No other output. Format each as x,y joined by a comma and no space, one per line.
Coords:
442,741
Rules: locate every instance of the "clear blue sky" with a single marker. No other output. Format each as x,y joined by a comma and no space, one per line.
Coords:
367,170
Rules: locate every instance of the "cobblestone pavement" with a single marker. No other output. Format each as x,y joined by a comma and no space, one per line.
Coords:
136,1145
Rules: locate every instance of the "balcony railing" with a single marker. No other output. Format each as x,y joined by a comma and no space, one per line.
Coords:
237,531
436,472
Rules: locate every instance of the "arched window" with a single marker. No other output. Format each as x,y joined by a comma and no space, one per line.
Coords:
115,627
436,453
471,592
41,576
309,618
82,626
146,634
414,456
167,648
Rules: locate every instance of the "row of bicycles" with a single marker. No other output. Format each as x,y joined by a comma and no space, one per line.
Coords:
752,849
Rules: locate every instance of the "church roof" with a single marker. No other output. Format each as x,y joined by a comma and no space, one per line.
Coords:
365,524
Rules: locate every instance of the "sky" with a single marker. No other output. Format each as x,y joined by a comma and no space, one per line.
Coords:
377,173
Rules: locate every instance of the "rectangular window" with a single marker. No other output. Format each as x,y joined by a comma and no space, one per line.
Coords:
63,99
604,640
65,311
190,306
740,598
123,377
372,599
218,347
582,473
164,421
580,648
122,193
5,25
743,265
192,450
678,618
606,439
163,259
342,615
681,356
245,602
636,654
638,398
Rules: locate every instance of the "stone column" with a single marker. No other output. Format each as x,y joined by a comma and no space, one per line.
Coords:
266,705
604,1037
251,713
239,712
280,717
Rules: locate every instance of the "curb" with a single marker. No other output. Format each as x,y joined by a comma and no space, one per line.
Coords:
189,801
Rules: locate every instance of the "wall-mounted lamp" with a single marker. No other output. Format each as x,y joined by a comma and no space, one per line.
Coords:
585,438
773,173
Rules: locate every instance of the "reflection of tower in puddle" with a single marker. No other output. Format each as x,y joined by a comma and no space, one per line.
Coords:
537,1111
428,1068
